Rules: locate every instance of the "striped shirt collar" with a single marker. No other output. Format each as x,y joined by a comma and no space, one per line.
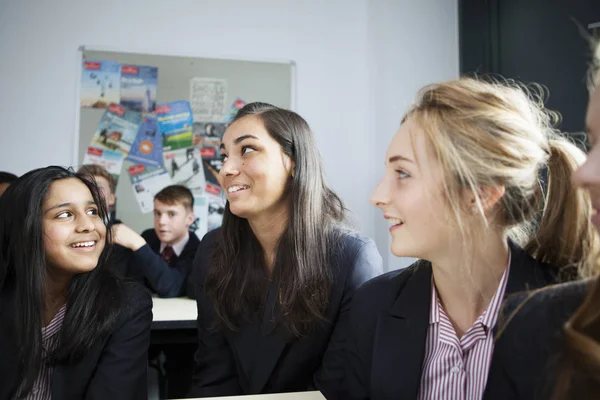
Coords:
488,318
55,324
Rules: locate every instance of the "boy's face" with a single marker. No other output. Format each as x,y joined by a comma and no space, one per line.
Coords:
104,187
171,221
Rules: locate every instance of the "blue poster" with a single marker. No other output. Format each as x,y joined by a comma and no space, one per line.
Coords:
175,124
138,87
147,148
100,83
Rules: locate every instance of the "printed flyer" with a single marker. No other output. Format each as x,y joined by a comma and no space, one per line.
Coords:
111,160
207,99
237,105
216,206
100,83
147,147
138,87
147,182
175,124
185,167
117,129
200,225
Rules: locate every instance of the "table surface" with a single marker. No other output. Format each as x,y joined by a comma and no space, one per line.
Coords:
174,313
277,396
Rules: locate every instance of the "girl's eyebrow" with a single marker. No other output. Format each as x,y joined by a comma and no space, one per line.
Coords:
239,140
61,205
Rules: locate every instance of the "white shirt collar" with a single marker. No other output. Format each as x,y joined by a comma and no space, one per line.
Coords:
177,247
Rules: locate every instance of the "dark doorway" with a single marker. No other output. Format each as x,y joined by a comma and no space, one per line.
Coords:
532,41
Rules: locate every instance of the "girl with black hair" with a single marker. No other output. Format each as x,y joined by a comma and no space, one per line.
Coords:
70,328
274,283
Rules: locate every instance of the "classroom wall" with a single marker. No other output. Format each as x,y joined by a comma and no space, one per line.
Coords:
359,63
414,43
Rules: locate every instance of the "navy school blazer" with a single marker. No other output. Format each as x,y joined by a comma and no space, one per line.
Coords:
263,357
114,368
527,355
146,265
389,322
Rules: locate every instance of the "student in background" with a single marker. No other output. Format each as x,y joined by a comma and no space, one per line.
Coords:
162,257
274,283
548,347
70,328
6,178
107,184
460,191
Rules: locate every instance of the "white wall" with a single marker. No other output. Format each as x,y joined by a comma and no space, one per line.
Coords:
412,43
358,64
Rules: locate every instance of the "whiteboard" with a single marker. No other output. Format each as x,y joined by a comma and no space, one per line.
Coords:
267,81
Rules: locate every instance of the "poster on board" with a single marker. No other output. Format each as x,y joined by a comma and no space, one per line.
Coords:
117,129
147,182
216,206
200,224
138,87
100,83
147,146
175,124
207,99
185,167
236,106
111,160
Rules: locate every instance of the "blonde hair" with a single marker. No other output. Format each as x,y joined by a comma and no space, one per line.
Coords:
492,134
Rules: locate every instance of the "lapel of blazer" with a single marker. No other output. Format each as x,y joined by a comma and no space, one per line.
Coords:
273,339
68,380
259,346
400,337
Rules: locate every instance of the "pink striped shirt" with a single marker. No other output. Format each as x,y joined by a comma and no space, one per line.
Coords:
42,387
456,368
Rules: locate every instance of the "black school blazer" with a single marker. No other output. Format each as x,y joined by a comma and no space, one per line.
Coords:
114,368
263,357
146,265
389,321
527,354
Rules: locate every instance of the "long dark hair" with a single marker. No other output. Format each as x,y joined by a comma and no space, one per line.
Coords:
93,301
579,375
236,282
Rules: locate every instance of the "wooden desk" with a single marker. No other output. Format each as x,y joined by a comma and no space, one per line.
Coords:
175,313
279,396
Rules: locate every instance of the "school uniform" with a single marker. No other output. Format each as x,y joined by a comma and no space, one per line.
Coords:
393,329
118,258
262,356
149,264
113,368
527,357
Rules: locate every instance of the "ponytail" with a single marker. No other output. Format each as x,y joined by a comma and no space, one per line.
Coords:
565,236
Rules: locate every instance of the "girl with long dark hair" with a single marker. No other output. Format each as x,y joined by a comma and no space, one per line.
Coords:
274,283
70,328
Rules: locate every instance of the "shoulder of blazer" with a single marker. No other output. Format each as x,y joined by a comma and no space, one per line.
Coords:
551,305
381,292
346,250
203,256
530,336
136,299
190,248
150,237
